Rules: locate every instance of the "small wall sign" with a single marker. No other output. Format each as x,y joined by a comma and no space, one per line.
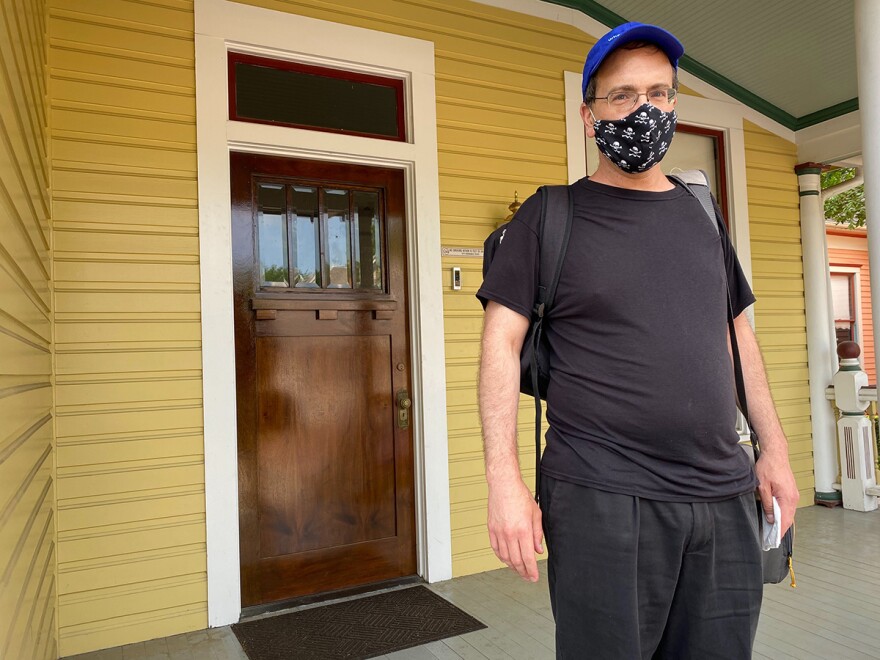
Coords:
447,251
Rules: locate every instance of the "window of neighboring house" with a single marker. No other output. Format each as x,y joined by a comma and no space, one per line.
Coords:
843,302
267,91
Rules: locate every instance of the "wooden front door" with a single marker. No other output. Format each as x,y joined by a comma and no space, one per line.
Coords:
326,496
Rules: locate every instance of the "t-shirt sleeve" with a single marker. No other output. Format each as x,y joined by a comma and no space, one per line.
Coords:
511,279
741,295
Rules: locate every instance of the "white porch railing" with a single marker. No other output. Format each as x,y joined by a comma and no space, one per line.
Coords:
856,431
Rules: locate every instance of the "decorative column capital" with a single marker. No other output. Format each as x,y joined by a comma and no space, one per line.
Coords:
809,182
808,168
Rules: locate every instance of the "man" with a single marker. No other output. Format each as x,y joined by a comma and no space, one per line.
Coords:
647,501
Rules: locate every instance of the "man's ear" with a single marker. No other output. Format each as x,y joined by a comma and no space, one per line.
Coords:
587,118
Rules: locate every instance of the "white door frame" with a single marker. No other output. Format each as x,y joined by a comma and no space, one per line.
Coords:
223,25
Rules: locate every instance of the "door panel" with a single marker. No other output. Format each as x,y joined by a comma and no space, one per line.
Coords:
335,485
322,364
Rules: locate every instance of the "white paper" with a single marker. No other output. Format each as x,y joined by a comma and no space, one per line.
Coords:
771,534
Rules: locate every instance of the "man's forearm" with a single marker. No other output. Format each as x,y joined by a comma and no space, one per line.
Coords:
499,402
762,410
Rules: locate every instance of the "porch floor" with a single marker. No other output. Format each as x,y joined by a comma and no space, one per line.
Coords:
833,614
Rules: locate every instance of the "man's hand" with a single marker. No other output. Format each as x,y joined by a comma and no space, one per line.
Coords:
515,530
514,517
776,480
773,469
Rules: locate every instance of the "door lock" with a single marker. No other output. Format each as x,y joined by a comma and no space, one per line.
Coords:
404,403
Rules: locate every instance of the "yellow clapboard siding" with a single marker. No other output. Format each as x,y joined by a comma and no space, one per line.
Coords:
122,210
170,302
529,148
81,177
142,418
86,481
27,511
169,593
77,394
74,26
101,450
778,283
123,362
126,243
124,151
473,70
113,120
72,271
98,59
124,93
516,98
71,336
87,513
118,631
131,556
130,538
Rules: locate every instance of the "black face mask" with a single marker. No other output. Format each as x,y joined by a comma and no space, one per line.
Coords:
638,141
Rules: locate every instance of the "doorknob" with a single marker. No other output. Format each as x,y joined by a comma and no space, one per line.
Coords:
404,403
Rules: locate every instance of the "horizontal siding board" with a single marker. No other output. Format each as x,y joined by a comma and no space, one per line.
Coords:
128,539
122,630
117,121
145,417
84,28
123,362
124,151
151,505
119,336
169,594
780,318
86,481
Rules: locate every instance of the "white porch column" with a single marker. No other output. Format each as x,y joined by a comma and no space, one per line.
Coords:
821,347
867,22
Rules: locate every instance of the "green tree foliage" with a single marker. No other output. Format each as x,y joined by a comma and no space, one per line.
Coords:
275,274
846,208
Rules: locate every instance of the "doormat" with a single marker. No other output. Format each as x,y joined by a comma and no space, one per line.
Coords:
361,628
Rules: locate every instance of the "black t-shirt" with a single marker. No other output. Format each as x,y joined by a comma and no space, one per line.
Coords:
641,398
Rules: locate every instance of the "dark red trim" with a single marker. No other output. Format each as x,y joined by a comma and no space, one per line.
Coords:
858,232
234,58
720,161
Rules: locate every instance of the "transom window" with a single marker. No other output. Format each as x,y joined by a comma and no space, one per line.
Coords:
312,237
268,91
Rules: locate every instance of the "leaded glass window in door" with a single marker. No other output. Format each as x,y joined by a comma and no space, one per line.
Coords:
311,237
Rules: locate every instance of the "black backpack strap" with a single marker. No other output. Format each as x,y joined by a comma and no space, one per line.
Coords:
557,209
697,183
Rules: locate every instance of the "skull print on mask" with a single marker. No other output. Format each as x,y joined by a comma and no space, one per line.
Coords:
638,141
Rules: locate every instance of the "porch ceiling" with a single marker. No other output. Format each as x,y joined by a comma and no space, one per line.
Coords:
792,60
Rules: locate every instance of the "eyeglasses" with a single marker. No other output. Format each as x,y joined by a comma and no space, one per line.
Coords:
627,99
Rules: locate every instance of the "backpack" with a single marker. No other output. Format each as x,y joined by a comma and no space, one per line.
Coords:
554,230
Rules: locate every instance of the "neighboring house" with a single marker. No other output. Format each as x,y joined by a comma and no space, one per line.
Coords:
851,291
180,430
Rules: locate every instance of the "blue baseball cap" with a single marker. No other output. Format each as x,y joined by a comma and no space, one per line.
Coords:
624,34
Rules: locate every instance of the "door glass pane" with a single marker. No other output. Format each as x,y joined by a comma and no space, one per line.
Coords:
272,235
304,237
338,250
367,241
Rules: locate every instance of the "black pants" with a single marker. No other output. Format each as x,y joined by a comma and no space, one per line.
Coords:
634,578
